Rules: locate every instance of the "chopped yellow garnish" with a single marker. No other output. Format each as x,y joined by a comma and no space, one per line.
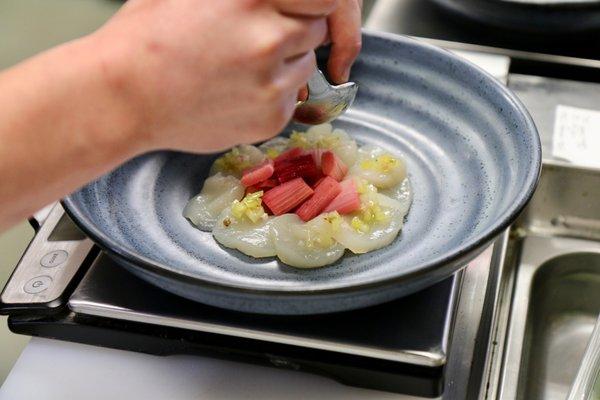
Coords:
383,163
238,209
233,161
327,142
370,213
272,153
334,219
319,239
359,225
298,139
249,207
319,231
363,186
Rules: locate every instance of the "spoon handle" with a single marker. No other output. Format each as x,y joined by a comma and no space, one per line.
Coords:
317,84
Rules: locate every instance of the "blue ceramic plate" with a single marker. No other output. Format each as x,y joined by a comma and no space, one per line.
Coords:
473,157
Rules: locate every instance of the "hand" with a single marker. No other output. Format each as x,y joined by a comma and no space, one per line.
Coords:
345,38
204,75
344,33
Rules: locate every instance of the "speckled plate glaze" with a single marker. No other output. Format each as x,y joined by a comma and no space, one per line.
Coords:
473,156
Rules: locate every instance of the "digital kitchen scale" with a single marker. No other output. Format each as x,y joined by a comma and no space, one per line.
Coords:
64,287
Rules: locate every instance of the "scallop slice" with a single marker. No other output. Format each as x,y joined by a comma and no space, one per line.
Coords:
238,159
274,147
325,137
360,235
379,167
401,193
346,149
217,194
305,245
251,238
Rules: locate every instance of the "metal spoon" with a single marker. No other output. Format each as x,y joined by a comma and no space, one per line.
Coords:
325,101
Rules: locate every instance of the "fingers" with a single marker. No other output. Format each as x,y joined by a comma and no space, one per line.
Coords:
345,36
302,93
296,72
282,94
304,34
306,8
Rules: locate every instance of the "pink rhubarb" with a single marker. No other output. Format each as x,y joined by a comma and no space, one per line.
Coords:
303,166
324,193
287,196
258,173
347,200
332,166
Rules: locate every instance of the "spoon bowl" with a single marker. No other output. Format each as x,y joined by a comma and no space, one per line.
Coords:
325,102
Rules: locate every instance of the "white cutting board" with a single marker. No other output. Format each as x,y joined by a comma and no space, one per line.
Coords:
54,370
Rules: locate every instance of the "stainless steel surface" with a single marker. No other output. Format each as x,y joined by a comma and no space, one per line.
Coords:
383,18
47,266
423,19
500,309
584,387
39,217
567,203
109,291
325,102
555,297
552,2
541,18
472,333
542,95
100,310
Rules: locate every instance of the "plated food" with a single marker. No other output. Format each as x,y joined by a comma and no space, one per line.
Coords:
305,198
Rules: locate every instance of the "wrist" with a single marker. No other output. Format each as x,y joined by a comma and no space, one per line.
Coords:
110,84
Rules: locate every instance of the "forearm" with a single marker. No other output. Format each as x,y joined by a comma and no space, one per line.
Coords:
62,123
151,78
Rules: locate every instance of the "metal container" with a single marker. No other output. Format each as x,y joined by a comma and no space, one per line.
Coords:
551,298
587,382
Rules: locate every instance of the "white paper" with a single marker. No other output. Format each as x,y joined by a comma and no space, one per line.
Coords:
577,136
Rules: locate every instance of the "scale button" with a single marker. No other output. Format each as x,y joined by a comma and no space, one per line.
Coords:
54,258
37,284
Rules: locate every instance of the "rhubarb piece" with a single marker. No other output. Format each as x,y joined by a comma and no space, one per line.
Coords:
267,184
314,185
264,185
347,201
332,166
258,174
287,196
303,166
324,193
291,153
298,159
